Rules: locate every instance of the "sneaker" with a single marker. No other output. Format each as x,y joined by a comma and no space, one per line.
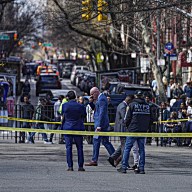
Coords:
133,167
47,142
121,170
28,142
138,171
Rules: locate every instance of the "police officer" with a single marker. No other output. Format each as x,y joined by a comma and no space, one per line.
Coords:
138,119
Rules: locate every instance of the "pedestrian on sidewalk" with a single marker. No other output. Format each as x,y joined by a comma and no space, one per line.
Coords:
39,115
27,113
57,116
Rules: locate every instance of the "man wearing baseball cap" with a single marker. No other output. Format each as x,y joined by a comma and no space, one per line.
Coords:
138,119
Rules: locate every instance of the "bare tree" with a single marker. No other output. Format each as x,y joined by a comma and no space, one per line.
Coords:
25,19
131,27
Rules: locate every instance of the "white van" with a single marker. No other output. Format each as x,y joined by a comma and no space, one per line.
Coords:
77,69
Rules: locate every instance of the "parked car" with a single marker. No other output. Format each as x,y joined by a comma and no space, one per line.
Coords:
77,69
61,63
118,91
32,67
88,82
67,69
54,93
79,77
47,81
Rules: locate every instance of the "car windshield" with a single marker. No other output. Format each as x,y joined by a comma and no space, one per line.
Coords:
85,68
49,78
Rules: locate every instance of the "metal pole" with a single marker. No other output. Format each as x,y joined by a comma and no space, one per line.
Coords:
168,77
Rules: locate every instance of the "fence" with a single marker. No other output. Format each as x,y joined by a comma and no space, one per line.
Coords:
157,127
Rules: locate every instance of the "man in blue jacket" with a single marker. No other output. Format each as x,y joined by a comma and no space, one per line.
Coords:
73,119
101,123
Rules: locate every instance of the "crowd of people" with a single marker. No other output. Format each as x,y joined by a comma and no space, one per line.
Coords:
135,114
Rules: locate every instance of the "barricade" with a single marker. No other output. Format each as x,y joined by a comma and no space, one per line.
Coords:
14,127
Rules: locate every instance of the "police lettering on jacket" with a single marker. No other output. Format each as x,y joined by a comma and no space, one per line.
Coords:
141,109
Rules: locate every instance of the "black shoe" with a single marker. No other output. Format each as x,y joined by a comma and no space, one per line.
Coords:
111,161
121,170
70,169
21,141
61,142
81,169
138,171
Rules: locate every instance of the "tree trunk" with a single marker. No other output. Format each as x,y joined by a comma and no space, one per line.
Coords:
155,69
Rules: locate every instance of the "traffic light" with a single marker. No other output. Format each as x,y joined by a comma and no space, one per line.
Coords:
86,9
39,43
15,36
102,7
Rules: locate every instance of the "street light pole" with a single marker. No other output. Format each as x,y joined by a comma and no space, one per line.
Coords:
168,77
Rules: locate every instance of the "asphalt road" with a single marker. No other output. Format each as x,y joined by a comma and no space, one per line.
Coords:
42,168
66,84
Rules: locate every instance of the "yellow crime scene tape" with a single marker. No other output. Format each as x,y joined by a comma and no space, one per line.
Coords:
53,122
115,134
38,121
87,132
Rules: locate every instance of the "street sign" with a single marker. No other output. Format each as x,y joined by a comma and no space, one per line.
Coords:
47,44
4,37
145,65
169,46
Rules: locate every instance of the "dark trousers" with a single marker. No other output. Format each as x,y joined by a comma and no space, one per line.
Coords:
79,144
55,127
189,130
22,134
119,151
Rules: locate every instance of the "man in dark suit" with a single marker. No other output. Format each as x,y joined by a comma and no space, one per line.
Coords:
73,118
120,126
101,123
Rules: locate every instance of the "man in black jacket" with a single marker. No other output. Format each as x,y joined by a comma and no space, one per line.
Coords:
27,113
138,119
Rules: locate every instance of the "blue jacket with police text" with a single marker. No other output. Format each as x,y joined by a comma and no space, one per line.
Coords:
138,117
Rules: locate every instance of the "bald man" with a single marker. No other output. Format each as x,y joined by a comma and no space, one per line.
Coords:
101,123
